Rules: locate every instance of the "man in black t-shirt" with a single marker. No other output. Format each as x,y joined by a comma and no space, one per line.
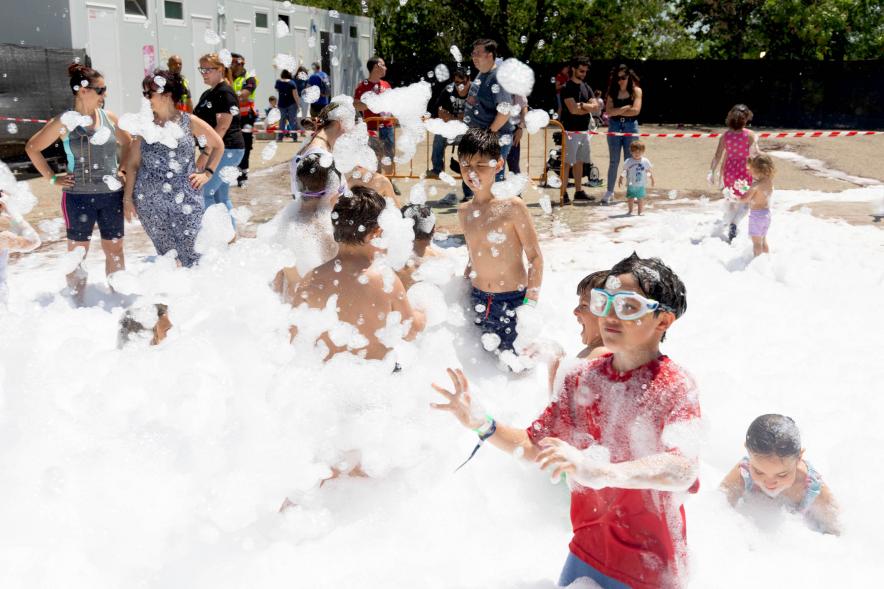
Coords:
449,106
578,105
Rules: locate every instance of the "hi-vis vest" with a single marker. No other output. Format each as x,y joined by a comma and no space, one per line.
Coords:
245,107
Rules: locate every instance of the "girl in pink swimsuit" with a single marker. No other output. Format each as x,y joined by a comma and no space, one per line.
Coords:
735,147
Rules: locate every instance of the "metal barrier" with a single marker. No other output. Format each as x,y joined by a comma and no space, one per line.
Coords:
526,141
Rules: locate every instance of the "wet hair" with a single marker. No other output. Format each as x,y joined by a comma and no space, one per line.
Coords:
424,220
637,146
322,120
657,281
285,75
489,45
78,73
764,164
579,60
356,215
613,80
315,180
215,61
738,117
373,61
174,84
591,281
131,328
481,142
774,435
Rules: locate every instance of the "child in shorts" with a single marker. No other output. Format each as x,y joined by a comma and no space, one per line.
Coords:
758,197
17,236
636,170
774,469
735,147
498,232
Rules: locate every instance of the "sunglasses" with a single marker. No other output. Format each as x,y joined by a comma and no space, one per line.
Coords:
622,77
101,90
628,306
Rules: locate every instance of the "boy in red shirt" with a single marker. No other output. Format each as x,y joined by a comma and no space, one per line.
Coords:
624,429
385,142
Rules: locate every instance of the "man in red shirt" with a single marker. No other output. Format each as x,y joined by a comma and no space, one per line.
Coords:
624,431
383,138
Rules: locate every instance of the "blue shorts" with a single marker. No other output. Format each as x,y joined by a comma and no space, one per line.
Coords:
82,211
495,312
635,192
577,569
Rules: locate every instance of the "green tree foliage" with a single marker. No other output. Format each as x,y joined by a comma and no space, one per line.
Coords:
554,30
785,29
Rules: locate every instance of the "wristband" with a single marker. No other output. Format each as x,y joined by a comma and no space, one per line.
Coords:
529,302
484,432
209,170
52,179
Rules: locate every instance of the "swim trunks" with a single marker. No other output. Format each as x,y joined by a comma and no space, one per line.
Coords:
495,312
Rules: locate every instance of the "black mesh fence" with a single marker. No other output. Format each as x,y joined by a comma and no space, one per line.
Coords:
782,94
33,84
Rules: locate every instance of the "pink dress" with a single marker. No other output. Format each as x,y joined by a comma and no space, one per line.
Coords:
736,150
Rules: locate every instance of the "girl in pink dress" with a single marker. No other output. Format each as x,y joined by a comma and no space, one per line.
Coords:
737,145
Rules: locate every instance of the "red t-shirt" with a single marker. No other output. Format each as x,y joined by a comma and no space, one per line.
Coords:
378,88
636,536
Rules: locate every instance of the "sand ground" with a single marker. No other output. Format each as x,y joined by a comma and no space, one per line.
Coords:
680,165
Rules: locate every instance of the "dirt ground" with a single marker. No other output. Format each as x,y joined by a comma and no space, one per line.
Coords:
679,164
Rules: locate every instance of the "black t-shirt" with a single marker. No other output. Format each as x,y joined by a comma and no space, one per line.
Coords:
285,89
580,93
221,99
451,101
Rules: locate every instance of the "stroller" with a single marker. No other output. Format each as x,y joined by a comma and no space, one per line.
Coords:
554,164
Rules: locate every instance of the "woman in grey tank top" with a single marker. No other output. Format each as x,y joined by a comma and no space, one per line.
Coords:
92,188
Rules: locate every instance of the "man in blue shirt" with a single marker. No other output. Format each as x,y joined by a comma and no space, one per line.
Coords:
320,79
480,111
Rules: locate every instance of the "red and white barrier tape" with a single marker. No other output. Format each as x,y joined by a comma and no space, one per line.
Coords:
760,134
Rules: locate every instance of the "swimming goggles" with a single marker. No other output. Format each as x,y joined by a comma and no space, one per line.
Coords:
627,305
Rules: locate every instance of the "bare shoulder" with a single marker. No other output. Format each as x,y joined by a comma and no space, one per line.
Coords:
637,91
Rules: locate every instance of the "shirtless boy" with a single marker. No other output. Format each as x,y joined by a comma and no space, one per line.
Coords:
497,232
361,299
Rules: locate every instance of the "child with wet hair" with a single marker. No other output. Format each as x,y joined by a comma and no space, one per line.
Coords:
424,228
774,469
365,298
306,225
139,324
624,429
498,233
758,197
735,147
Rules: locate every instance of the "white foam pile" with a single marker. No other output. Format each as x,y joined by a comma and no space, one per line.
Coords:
165,466
409,105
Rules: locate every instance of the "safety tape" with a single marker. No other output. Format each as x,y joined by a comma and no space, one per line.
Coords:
760,134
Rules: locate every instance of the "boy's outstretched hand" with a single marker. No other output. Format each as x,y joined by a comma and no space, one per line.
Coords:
459,402
562,458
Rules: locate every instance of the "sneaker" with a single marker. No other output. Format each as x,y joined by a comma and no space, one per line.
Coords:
580,195
431,175
609,196
566,200
449,200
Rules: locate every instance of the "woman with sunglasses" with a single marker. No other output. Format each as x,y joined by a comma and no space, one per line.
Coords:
165,179
91,190
219,107
623,105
